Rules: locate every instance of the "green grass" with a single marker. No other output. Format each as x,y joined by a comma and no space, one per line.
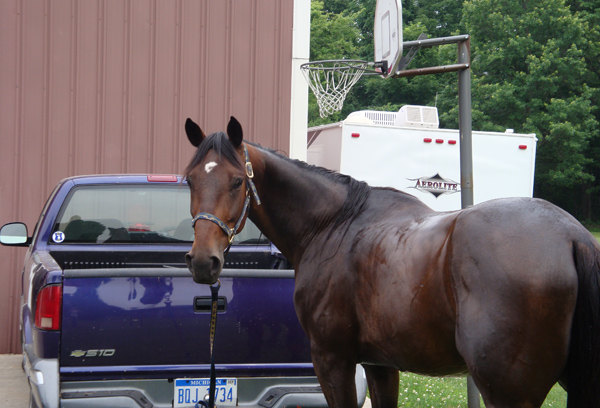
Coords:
451,392
594,228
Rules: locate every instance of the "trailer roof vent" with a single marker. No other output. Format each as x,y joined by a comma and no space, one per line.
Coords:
417,116
372,117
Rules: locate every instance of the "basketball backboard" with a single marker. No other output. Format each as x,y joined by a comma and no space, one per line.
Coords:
388,34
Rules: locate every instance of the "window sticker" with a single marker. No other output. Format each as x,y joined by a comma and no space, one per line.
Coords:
58,237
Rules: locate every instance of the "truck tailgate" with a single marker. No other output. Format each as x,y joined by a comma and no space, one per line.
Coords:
158,319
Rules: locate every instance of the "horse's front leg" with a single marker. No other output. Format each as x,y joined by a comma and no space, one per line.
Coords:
383,386
336,375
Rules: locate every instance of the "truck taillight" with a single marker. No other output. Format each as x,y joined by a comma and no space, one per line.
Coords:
47,309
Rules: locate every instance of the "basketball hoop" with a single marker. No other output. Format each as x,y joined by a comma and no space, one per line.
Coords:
331,80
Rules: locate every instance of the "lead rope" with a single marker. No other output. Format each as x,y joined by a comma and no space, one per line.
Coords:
214,290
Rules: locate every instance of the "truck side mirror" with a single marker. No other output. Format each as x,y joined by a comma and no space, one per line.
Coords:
14,234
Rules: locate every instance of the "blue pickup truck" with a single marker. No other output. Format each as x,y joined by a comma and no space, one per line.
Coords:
112,318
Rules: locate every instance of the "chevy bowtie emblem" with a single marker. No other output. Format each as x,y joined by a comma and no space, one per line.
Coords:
436,185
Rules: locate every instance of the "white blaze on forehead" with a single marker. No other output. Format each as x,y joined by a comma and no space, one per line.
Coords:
209,166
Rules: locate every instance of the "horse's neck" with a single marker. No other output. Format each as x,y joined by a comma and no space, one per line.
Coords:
297,204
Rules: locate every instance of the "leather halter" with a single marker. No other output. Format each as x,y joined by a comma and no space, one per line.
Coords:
250,187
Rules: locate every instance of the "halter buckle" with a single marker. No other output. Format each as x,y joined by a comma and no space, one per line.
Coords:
249,170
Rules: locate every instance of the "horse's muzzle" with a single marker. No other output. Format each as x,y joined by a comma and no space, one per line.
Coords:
205,269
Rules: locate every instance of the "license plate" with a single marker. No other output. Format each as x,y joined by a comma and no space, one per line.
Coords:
188,391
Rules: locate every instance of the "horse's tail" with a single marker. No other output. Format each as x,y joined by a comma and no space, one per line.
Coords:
583,367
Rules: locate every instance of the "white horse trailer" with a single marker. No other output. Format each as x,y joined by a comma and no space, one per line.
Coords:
406,150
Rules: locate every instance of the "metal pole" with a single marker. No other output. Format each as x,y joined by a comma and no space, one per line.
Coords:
472,394
466,161
430,70
430,42
464,125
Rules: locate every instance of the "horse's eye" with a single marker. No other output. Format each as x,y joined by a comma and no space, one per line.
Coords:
238,183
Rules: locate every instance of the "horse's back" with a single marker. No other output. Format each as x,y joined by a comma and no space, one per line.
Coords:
517,240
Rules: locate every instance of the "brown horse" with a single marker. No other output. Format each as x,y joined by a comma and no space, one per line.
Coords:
507,290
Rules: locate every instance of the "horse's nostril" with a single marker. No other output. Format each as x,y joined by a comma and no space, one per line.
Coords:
188,261
216,265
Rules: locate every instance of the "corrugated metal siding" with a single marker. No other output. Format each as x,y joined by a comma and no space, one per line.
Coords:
105,87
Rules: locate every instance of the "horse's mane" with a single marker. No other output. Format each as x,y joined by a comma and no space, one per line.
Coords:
358,191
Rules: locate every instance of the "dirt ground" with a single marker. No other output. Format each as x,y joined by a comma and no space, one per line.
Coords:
14,391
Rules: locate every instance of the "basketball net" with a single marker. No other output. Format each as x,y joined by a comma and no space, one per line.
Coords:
331,81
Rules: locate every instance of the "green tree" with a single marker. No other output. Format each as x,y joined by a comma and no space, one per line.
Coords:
535,68
589,13
373,92
332,36
530,73
441,18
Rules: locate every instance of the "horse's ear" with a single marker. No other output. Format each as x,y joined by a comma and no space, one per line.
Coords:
234,131
194,133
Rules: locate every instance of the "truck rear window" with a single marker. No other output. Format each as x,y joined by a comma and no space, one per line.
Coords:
135,214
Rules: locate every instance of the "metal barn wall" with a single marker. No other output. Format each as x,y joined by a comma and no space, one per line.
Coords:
104,86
